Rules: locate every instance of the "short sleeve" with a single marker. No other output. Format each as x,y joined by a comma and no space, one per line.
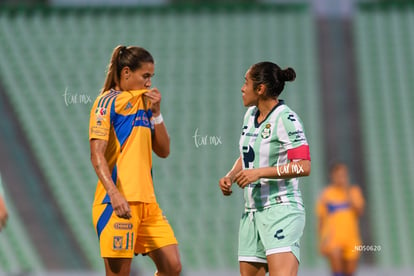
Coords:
292,136
100,118
320,208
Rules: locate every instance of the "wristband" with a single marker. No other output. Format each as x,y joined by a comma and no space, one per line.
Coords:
158,120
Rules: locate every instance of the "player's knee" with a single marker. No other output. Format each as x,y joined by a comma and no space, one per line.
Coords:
171,269
176,268
117,267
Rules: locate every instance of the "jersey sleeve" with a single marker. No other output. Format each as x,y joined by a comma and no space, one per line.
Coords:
100,118
292,135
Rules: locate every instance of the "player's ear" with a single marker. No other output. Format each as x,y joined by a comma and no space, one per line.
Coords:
126,72
261,89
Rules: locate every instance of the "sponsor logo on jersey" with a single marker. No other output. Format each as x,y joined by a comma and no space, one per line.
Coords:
297,132
128,106
278,199
123,226
141,119
117,243
266,131
99,131
291,117
299,135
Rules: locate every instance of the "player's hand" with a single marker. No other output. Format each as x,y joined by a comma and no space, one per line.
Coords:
154,96
245,177
3,214
119,204
225,185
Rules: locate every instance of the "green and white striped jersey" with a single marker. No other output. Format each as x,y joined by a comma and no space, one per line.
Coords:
267,145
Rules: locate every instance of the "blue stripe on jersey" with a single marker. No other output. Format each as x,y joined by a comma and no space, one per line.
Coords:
108,99
100,101
123,125
114,176
103,219
336,207
103,98
142,119
149,114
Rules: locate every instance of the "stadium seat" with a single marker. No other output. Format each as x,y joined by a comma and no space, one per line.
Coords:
17,254
384,40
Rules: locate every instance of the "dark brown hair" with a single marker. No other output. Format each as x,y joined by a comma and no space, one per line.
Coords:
123,56
338,165
272,76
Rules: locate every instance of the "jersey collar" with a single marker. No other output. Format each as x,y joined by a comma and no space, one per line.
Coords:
256,115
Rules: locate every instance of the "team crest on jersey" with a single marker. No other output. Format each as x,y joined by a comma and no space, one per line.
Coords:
117,242
266,131
100,112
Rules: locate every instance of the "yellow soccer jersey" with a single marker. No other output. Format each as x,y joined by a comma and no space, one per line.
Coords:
122,119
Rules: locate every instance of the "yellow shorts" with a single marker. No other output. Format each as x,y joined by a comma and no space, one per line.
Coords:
145,231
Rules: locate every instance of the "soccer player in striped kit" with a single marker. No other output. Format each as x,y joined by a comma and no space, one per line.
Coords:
274,152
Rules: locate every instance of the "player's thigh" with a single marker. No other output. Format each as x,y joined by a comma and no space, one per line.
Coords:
154,231
350,255
252,269
336,261
281,228
117,266
283,264
167,259
350,266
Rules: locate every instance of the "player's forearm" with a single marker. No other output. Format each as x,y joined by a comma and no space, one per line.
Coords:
356,204
161,140
102,171
358,208
290,170
237,167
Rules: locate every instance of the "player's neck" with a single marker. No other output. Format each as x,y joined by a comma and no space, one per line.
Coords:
265,106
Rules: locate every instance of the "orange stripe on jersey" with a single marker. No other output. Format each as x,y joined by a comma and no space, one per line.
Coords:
121,119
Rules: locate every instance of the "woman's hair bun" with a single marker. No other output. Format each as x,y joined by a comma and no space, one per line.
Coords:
287,74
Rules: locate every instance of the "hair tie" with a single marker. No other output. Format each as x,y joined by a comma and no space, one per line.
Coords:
123,48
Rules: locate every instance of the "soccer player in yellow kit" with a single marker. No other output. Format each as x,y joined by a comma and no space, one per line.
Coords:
338,210
126,125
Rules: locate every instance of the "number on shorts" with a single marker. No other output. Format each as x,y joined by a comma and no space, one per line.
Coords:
128,241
